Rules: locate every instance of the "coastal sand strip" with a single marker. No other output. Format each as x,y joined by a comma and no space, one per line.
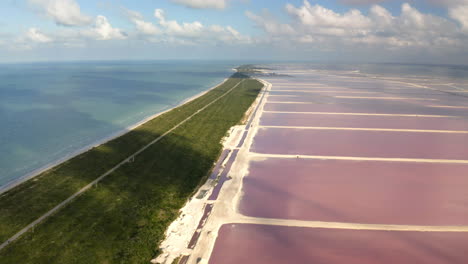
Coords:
352,226
286,102
84,189
352,114
307,87
448,106
385,98
284,95
254,155
297,84
371,129
283,82
322,91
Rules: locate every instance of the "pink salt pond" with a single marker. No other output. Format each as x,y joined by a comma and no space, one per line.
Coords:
405,193
262,244
367,108
391,122
350,143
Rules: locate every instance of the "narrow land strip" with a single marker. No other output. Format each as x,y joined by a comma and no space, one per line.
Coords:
26,202
385,98
371,129
93,183
448,106
301,156
287,102
352,226
323,91
353,114
124,217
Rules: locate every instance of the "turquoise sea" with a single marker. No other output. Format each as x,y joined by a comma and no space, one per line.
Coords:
51,110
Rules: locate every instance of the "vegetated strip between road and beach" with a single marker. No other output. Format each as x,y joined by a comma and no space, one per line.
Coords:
122,219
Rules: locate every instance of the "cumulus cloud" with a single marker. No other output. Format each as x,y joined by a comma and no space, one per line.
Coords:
63,12
362,2
142,26
315,24
318,16
195,32
103,30
30,39
270,24
36,35
175,28
202,4
448,2
460,13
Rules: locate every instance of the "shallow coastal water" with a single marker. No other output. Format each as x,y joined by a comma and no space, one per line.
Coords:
50,110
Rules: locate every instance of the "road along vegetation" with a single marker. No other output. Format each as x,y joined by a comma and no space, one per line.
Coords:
124,216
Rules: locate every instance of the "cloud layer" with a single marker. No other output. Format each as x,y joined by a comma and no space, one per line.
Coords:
35,35
103,30
68,13
202,4
187,33
304,29
63,12
317,25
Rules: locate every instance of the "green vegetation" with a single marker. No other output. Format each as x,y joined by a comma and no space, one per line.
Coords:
176,261
125,216
251,68
256,70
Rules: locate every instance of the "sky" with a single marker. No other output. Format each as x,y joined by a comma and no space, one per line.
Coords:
410,31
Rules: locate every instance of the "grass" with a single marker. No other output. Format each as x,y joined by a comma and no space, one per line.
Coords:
176,261
125,216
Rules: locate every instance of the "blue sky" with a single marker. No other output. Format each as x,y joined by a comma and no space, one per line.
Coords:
415,31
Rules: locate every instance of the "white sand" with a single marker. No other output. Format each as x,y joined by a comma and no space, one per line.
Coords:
180,232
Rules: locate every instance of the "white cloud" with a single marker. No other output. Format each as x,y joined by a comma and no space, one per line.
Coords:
448,3
142,26
361,2
381,17
270,24
318,16
411,17
195,32
69,37
322,27
202,4
175,28
146,27
103,30
460,14
36,35
163,30
63,12
32,38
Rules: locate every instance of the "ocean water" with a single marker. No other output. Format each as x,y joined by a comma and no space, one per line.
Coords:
50,110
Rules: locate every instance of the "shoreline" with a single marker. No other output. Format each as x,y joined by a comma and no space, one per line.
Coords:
13,183
194,136
183,230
